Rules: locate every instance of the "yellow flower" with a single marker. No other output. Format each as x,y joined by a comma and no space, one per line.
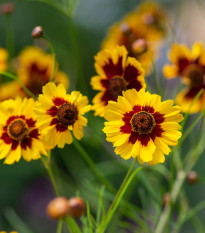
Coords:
189,65
34,69
116,72
58,113
8,232
19,135
139,124
3,59
141,40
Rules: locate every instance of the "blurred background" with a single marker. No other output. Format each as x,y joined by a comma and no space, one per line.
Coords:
25,189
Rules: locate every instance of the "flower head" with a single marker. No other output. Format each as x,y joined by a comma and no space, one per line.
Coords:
3,59
116,72
139,124
58,113
189,65
140,40
19,135
35,69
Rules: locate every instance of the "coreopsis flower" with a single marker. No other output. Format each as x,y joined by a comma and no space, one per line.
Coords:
116,72
19,135
141,41
189,66
139,124
59,113
3,59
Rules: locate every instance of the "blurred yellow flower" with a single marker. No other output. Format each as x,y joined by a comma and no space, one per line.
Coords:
34,68
3,59
139,124
189,65
58,113
19,135
141,32
116,72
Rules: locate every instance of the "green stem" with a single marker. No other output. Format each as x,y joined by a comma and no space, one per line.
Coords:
11,76
60,226
127,180
9,36
54,57
92,166
50,173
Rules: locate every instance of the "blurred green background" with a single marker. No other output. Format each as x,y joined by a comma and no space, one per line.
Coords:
25,187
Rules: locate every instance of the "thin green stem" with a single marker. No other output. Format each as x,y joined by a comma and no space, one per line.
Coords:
92,166
54,57
127,180
60,226
51,175
9,36
13,77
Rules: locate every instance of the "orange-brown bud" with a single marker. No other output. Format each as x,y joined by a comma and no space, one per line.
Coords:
58,208
166,199
76,207
7,8
192,177
139,46
37,32
125,29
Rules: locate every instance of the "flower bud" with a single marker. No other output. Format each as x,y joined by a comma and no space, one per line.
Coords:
58,208
7,8
192,177
125,29
166,199
139,46
76,207
37,32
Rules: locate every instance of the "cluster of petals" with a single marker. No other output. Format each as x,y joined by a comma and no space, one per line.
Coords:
59,113
141,32
189,66
140,124
19,135
116,72
34,68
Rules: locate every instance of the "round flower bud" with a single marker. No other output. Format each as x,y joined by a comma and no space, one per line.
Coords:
139,46
58,208
192,177
76,207
7,8
166,199
37,32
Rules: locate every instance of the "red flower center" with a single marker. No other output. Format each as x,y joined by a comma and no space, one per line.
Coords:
18,129
142,122
116,86
67,114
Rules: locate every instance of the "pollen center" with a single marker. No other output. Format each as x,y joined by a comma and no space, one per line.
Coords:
196,75
67,114
116,86
142,122
18,129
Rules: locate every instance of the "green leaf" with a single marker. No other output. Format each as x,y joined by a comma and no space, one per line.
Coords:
72,225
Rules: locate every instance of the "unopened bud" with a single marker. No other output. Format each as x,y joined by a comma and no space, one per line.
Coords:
148,18
58,208
139,46
192,177
7,8
76,207
37,32
125,29
166,199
